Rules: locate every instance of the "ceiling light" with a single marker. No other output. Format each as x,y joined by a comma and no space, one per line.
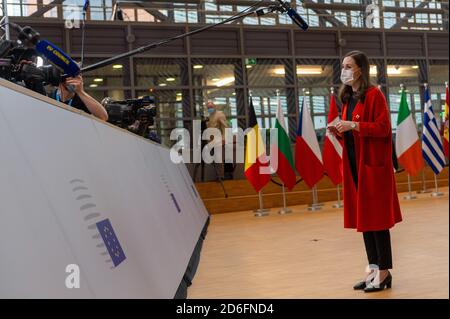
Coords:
117,66
415,67
309,71
198,66
225,81
98,80
394,71
163,84
279,71
248,66
170,79
301,71
93,85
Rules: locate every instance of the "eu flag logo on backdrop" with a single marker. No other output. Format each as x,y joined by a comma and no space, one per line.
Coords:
111,241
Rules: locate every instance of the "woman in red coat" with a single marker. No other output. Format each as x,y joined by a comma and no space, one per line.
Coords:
370,196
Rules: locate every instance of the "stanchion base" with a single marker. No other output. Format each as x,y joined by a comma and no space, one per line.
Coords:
285,211
313,208
318,205
437,194
261,212
338,205
424,191
409,197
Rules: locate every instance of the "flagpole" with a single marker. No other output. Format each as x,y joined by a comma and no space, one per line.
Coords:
83,32
410,196
339,203
314,207
317,204
261,212
436,192
424,185
285,210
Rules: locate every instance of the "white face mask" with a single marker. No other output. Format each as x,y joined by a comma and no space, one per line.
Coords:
347,77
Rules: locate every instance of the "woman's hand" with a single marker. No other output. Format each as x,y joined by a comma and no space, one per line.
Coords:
333,131
345,126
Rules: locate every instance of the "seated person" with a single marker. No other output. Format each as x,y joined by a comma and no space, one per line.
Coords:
71,92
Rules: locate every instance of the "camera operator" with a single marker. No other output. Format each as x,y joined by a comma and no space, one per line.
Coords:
71,92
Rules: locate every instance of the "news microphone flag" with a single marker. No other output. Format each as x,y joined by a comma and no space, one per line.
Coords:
446,128
58,57
407,143
333,147
255,153
308,159
432,147
285,167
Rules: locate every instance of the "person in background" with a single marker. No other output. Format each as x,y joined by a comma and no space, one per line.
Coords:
218,120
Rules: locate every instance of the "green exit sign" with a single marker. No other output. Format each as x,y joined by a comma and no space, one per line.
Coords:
250,61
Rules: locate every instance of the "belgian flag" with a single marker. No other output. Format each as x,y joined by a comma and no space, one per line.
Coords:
255,153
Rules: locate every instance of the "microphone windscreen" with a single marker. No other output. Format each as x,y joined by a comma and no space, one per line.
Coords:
58,57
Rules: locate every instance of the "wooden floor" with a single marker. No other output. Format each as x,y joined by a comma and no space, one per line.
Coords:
310,254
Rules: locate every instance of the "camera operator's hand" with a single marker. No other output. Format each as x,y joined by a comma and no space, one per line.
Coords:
77,83
92,104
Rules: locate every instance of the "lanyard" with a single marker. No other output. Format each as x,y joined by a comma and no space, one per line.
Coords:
58,98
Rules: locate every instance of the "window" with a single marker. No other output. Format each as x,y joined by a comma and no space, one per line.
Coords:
266,72
216,72
160,73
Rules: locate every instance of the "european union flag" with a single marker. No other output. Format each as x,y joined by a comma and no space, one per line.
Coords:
112,243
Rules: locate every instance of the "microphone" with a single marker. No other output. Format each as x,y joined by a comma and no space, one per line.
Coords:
298,20
54,54
58,57
26,35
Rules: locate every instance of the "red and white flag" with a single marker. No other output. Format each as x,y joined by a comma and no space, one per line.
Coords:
308,159
333,147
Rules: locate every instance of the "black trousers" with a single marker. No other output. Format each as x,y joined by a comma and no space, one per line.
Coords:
378,248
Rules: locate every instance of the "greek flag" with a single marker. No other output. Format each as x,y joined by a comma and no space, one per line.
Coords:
432,147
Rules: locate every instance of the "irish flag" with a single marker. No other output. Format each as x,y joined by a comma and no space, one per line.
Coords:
446,129
308,159
257,168
284,164
332,148
409,151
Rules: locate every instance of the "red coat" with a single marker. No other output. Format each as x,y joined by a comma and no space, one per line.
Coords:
374,206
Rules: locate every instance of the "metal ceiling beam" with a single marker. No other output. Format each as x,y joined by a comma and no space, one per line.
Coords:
327,16
41,11
405,19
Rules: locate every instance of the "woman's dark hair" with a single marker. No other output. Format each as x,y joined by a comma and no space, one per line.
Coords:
346,91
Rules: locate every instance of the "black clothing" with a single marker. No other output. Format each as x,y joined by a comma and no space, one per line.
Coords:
378,248
350,142
76,102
